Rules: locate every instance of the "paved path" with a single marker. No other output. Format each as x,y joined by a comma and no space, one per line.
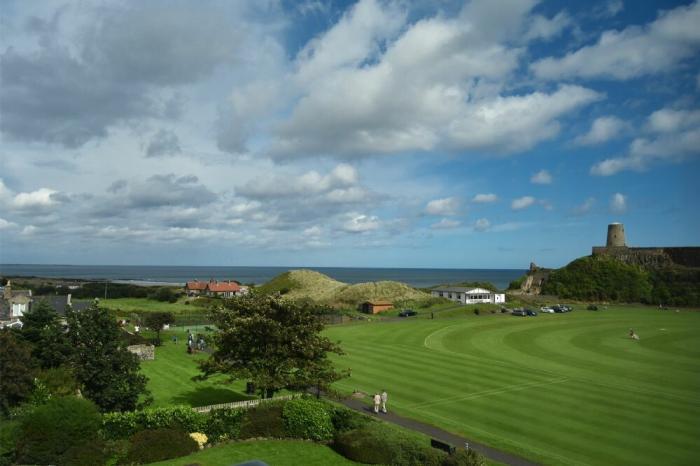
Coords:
439,434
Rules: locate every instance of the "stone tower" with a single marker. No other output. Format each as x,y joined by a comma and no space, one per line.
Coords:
616,235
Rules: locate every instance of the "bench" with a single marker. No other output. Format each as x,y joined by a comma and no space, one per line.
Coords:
440,445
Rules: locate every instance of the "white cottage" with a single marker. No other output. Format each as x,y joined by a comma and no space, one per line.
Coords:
469,295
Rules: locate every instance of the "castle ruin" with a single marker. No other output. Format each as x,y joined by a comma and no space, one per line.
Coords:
654,257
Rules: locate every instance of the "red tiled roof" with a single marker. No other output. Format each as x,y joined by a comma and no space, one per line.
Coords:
197,285
221,287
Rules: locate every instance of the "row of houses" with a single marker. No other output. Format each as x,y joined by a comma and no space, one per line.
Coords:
466,295
15,303
214,288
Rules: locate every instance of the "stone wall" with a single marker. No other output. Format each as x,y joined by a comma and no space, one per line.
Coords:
144,352
653,257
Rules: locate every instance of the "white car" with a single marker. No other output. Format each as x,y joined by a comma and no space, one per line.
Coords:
547,310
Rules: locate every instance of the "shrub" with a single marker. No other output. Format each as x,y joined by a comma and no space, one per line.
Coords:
125,424
464,458
224,424
592,307
88,454
345,419
263,421
49,431
149,446
9,432
200,438
307,418
378,443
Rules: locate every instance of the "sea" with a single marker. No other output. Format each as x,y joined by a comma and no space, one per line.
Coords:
167,274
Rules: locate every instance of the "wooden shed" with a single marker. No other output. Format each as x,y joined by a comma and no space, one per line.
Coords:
374,307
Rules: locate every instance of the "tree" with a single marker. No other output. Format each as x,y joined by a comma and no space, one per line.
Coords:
271,342
42,328
108,373
156,320
16,370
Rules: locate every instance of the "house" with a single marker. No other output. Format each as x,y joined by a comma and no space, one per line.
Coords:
224,289
14,304
195,288
466,295
374,307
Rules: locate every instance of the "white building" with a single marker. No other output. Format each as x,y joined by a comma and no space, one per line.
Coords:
469,295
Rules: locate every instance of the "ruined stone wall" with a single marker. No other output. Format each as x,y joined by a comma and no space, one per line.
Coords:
653,257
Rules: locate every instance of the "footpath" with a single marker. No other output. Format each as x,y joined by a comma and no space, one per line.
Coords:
439,434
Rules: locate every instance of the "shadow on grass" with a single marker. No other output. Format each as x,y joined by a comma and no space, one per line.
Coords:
205,396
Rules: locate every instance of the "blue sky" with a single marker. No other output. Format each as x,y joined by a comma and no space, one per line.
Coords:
374,133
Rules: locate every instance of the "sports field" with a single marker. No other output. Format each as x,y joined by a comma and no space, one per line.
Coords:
558,389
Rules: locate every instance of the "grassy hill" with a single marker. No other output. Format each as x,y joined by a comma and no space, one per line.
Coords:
298,284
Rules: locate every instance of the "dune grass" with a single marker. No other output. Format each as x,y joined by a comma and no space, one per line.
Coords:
273,452
170,375
128,305
558,389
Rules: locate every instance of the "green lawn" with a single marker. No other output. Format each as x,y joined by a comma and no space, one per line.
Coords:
558,389
128,305
273,452
170,375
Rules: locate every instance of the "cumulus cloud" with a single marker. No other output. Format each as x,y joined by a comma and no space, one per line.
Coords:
541,177
584,207
618,203
339,184
482,224
635,51
445,206
541,27
432,84
360,223
4,224
522,203
38,200
446,224
484,198
673,135
602,130
163,143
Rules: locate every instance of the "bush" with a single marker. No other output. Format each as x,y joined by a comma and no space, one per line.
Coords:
263,421
49,431
149,446
345,419
88,454
464,458
164,294
378,443
125,424
307,418
9,432
592,307
224,424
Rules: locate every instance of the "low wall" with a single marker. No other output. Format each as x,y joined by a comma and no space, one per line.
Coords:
144,352
653,257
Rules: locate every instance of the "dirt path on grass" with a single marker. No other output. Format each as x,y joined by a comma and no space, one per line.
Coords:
439,434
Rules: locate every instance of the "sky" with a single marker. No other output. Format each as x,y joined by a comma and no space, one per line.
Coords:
375,133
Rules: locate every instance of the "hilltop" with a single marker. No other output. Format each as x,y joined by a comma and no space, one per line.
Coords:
298,284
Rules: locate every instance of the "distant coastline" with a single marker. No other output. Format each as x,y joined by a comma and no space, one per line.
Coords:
175,275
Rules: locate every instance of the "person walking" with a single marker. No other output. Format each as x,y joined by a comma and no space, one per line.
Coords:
377,401
384,397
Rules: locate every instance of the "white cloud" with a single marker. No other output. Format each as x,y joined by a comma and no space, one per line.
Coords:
4,224
674,136
618,203
544,28
484,198
446,224
585,207
361,223
522,202
635,51
445,206
603,129
541,177
482,224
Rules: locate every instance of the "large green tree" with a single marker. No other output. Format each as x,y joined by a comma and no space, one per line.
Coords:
108,373
42,328
16,370
271,342
156,320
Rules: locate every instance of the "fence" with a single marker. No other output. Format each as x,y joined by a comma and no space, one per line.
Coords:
243,404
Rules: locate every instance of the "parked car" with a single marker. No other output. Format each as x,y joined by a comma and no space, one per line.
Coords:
519,312
558,309
547,310
407,313
530,312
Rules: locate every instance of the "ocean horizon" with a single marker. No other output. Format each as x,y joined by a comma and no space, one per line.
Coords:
178,274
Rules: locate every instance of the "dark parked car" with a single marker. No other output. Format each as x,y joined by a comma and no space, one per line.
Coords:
530,312
407,313
519,312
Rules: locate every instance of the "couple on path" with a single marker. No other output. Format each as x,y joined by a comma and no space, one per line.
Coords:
380,400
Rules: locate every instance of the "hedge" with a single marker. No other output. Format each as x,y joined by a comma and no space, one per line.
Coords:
307,418
149,446
121,425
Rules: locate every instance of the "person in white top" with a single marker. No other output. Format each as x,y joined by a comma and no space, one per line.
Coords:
384,397
377,401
